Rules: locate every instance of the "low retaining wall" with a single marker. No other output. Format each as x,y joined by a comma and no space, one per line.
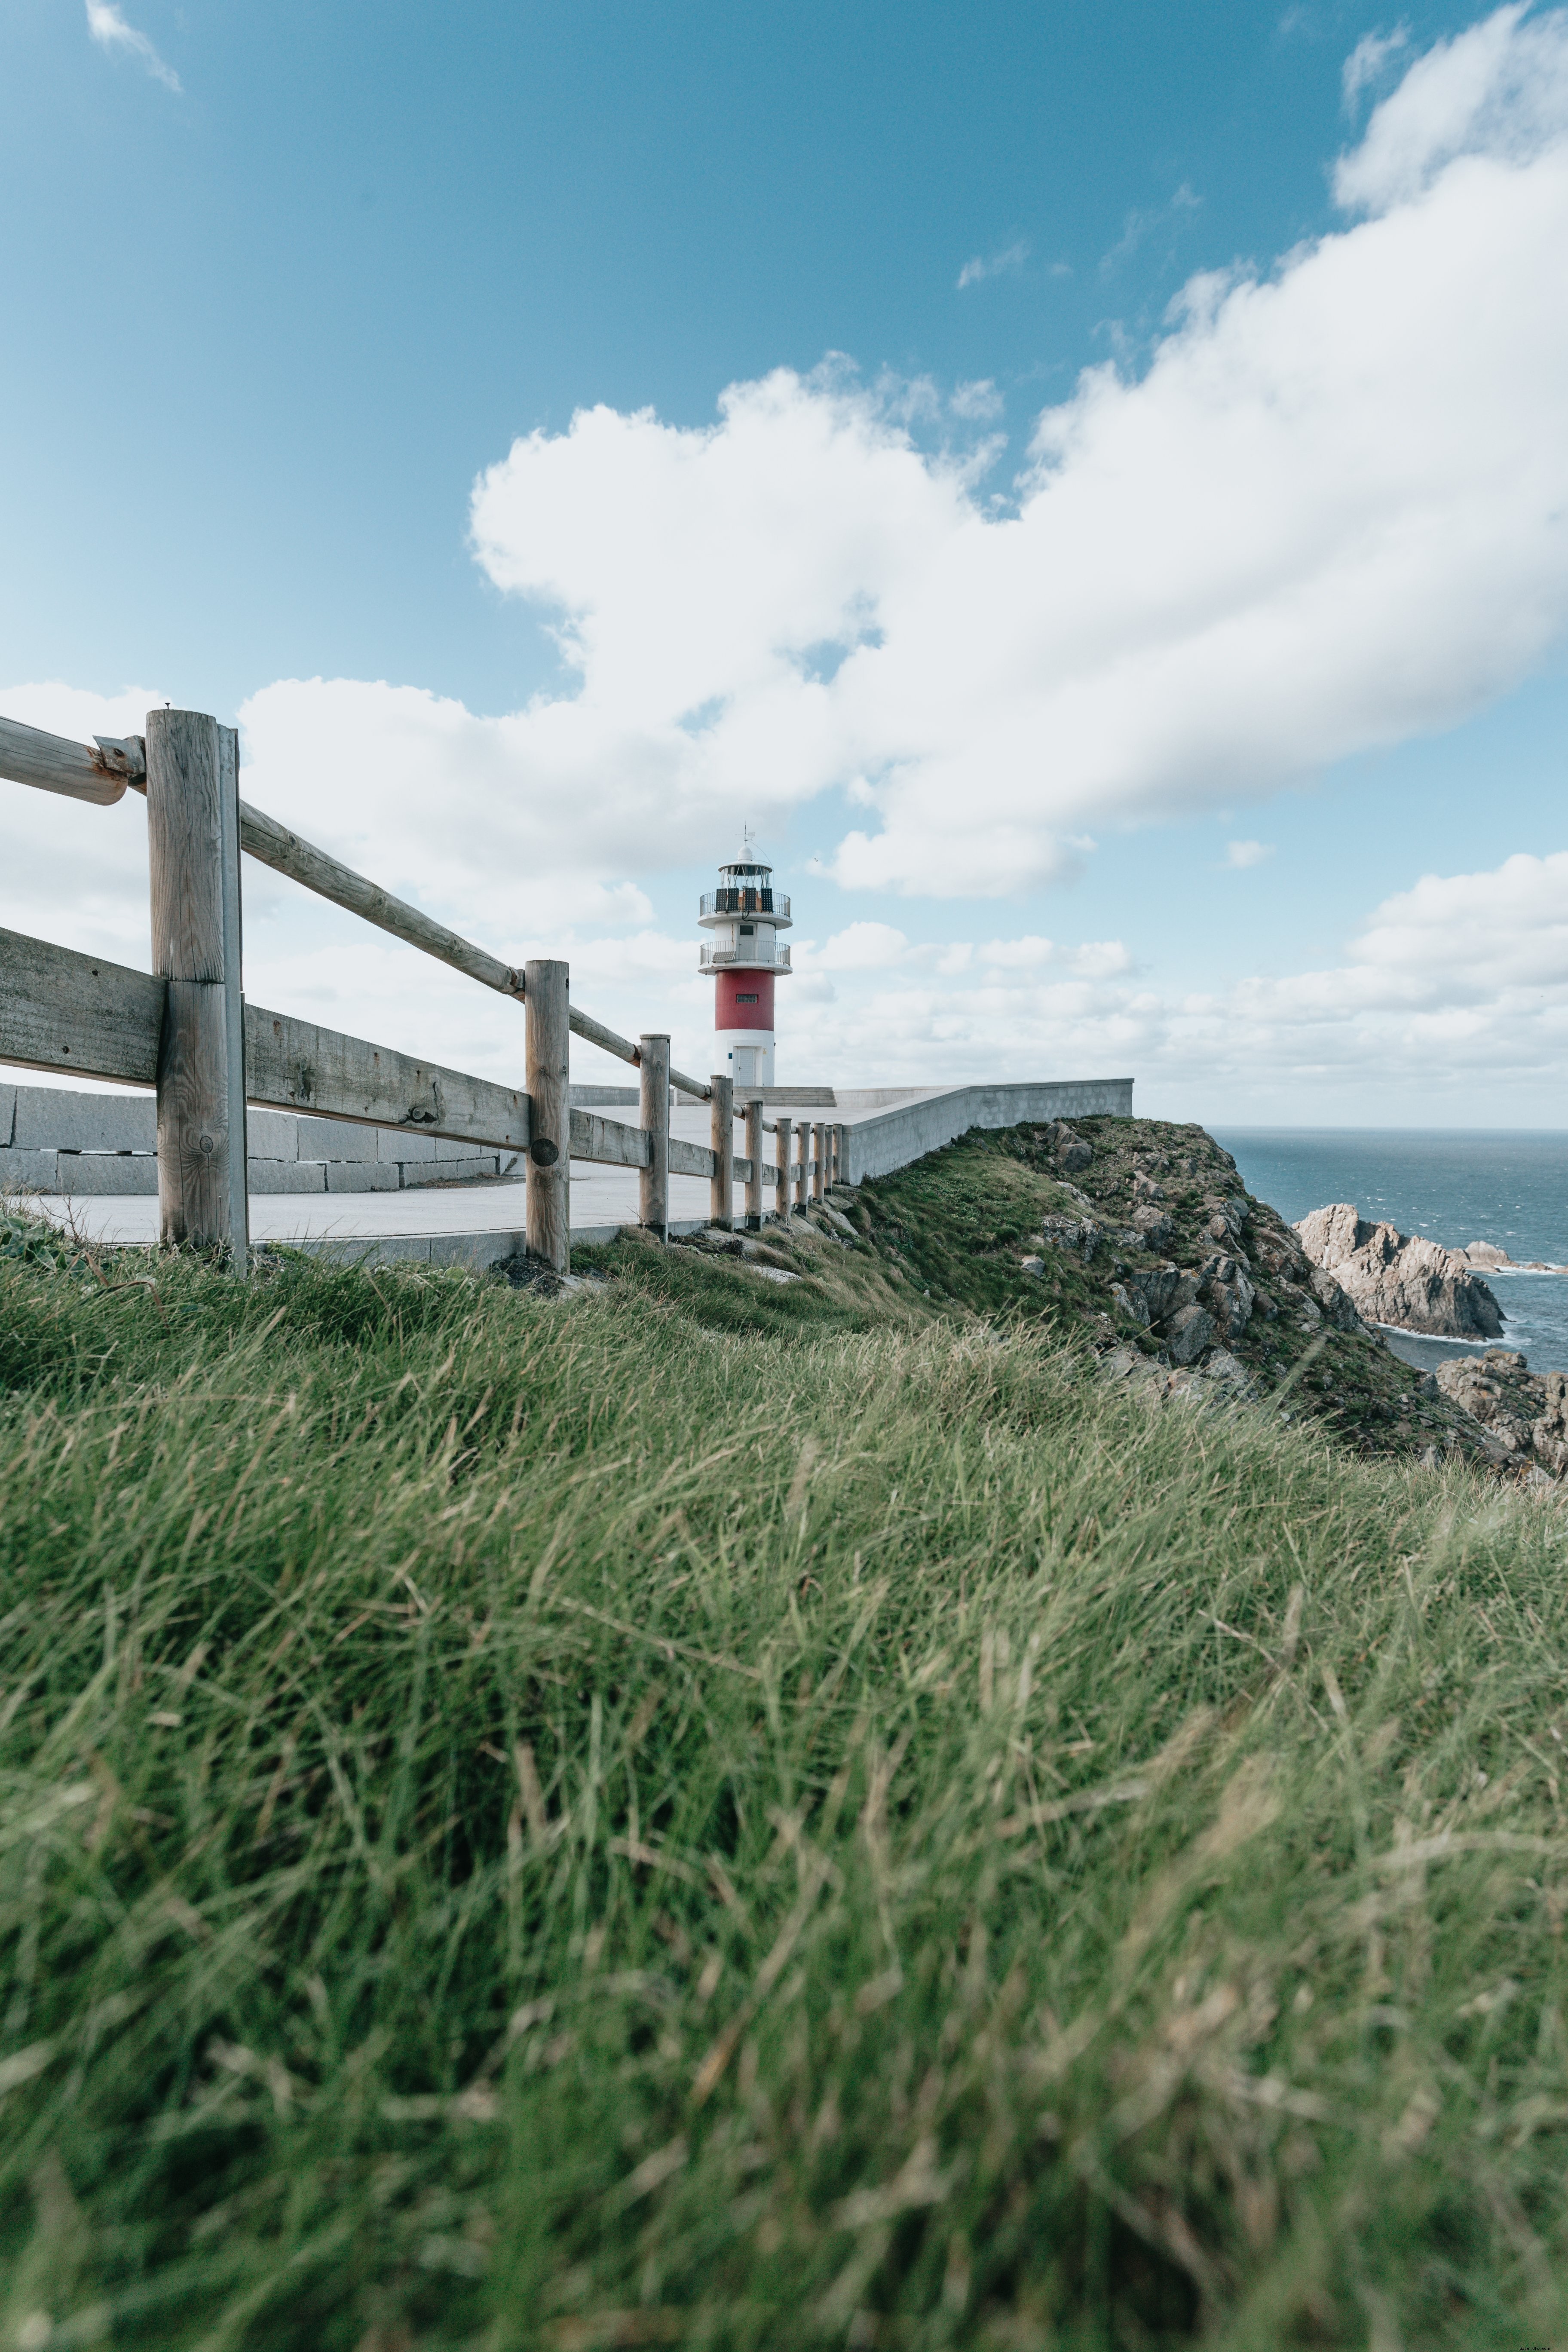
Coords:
53,1139
881,1140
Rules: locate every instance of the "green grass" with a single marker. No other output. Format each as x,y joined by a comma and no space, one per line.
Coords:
666,1817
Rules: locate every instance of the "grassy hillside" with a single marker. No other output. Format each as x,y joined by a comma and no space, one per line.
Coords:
710,1811
960,1223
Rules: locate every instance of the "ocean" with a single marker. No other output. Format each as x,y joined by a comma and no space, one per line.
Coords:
1455,1186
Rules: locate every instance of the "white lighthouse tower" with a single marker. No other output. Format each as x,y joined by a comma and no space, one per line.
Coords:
744,916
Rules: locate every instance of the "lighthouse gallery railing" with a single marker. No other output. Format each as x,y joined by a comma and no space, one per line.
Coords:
186,1031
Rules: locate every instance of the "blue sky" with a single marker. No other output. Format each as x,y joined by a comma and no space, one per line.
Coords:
285,283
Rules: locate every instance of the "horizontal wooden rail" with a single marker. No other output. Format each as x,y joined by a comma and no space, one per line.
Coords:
84,1016
596,1033
53,763
101,773
606,1141
62,1010
273,845
288,852
65,1012
295,1065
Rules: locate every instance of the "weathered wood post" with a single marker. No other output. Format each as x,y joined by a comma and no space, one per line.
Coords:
547,1021
819,1153
652,1181
840,1153
721,1196
754,1154
193,847
802,1164
786,1173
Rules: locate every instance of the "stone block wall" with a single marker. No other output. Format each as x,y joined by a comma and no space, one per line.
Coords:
57,1140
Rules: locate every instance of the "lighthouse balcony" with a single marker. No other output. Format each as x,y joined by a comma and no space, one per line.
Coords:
718,906
719,959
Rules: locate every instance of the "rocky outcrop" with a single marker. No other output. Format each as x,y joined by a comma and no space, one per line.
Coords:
1492,1260
1524,1413
1392,1277
1068,1146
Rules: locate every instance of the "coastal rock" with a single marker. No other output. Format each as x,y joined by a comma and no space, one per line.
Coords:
1226,1220
1334,1302
1154,1227
1082,1237
1164,1291
1391,1278
1524,1414
1188,1332
1224,1284
1484,1254
1280,1254
1071,1149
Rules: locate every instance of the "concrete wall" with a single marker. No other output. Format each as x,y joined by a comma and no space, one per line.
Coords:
881,1140
53,1139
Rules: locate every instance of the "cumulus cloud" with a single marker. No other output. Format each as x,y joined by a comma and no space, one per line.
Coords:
1454,995
1327,516
995,265
1499,92
107,24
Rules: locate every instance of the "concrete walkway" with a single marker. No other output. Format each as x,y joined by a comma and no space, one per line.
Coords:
443,1224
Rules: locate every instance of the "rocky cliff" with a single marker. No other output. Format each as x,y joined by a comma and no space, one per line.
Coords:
1142,1234
1395,1277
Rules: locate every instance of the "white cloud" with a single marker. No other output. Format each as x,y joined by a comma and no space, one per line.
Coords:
1239,854
1499,92
996,265
1328,516
1454,997
109,28
860,947
1369,61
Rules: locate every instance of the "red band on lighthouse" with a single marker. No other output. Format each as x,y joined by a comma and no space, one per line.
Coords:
744,998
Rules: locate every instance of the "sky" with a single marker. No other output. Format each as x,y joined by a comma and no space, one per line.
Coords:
1086,483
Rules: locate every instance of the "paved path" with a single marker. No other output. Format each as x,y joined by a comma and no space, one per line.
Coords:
490,1216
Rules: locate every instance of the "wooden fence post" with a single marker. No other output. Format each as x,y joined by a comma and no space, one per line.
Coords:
193,845
722,1198
819,1150
754,1154
803,1163
840,1153
786,1173
653,1182
547,1204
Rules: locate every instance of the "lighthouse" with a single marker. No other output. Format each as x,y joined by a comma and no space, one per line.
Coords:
744,916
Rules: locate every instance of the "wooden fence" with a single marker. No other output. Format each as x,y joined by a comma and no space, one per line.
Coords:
185,1030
